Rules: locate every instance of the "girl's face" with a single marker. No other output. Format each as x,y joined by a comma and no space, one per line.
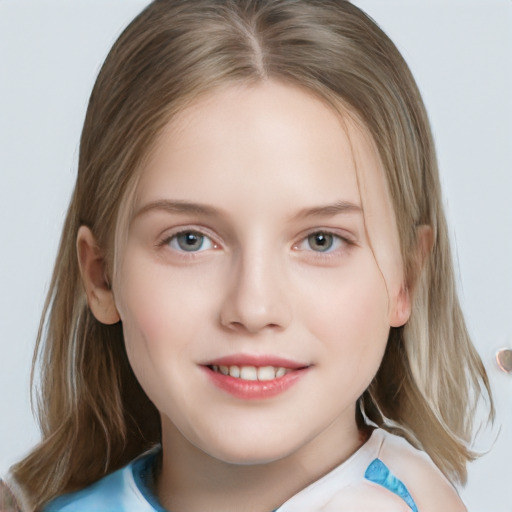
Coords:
256,293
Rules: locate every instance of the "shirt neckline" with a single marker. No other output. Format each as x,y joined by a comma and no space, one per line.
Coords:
143,472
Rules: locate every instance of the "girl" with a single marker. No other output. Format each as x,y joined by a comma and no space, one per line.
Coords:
253,305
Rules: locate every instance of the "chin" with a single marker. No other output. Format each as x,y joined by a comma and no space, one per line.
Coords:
247,451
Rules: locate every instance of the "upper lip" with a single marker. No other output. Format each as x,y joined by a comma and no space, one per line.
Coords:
257,360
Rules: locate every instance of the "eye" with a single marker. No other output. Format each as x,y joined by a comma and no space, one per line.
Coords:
321,241
190,241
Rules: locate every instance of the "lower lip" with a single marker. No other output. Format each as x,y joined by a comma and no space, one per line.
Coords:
254,389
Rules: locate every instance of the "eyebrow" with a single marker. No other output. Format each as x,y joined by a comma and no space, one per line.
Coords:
329,210
184,207
176,207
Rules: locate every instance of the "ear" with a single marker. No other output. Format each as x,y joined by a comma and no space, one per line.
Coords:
94,277
403,302
401,308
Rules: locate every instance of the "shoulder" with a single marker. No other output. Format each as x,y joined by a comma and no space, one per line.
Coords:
428,486
116,492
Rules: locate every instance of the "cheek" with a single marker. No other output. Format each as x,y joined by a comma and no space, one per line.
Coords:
156,307
351,315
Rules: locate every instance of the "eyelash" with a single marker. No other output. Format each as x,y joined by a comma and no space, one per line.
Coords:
172,241
338,242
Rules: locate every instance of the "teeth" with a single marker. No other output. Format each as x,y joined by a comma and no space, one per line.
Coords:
252,373
280,372
266,373
248,373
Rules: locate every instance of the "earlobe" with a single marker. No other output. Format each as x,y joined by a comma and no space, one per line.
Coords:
92,265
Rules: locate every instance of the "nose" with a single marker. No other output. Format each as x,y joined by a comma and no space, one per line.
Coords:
257,297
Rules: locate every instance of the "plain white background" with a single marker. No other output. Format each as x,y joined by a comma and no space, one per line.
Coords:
461,54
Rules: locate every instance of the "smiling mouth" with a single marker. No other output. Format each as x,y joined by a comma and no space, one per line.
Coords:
251,373
254,377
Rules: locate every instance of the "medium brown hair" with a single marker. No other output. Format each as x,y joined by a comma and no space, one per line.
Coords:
93,414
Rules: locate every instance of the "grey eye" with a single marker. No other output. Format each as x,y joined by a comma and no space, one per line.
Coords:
321,242
190,241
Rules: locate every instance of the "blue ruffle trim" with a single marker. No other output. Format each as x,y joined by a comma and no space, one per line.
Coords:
379,473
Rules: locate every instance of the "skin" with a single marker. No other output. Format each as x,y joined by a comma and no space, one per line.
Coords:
263,161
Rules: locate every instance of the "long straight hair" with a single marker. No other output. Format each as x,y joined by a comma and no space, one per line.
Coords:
93,414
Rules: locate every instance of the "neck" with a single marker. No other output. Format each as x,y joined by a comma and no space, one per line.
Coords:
193,481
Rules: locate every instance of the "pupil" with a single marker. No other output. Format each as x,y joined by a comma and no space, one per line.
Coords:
190,241
320,241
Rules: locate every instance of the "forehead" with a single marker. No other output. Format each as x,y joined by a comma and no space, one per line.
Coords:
270,129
